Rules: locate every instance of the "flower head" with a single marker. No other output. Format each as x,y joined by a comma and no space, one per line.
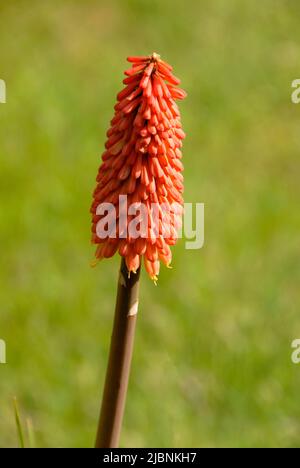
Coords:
137,204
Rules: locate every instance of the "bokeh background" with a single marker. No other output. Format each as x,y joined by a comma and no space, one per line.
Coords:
212,362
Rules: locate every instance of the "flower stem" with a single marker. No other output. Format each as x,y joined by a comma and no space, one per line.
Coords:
118,369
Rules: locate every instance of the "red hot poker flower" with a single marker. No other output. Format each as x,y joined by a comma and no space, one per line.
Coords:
142,162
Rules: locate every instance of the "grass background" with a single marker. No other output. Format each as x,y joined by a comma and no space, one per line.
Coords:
212,359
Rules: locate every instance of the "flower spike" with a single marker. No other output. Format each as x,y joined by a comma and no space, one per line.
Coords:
141,161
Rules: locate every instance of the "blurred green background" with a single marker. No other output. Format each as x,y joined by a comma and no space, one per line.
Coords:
212,362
